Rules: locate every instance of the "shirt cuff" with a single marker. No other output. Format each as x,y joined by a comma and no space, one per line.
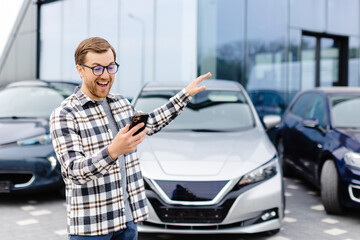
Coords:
184,96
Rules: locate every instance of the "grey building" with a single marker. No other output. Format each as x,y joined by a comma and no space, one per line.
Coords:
275,48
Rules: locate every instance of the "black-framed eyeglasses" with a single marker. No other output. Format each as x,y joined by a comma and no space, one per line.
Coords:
99,70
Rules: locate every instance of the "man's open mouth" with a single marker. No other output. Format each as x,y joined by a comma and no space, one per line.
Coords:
102,84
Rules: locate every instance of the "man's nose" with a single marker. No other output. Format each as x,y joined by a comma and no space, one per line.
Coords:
105,74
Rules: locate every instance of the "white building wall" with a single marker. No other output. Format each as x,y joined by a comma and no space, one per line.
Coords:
18,61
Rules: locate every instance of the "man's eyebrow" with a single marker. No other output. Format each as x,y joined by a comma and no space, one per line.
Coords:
98,64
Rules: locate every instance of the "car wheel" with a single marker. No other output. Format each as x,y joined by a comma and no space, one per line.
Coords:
280,149
330,188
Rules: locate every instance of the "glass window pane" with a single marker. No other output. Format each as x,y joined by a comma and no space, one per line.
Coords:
329,64
221,38
343,17
51,42
266,36
308,14
308,62
104,25
75,29
63,26
294,81
354,62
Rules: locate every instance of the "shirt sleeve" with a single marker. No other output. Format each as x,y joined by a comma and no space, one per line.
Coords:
165,114
68,148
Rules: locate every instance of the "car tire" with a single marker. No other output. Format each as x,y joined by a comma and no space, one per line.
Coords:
285,166
330,192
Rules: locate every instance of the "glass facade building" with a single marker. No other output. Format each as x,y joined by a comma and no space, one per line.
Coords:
275,48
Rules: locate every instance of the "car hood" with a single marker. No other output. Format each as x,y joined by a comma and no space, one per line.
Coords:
18,129
204,156
353,133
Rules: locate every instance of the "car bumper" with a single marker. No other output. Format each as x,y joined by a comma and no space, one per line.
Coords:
350,185
28,168
352,197
256,208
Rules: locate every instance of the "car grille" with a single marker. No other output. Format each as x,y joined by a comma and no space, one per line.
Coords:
191,191
244,223
354,192
16,178
191,214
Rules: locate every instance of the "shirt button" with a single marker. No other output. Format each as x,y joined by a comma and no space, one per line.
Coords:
123,209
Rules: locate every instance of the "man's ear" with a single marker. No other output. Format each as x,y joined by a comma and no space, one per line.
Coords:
80,70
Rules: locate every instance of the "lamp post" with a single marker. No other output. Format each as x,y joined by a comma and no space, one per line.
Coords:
142,47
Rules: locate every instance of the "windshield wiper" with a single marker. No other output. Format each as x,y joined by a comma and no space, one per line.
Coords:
17,117
206,130
343,127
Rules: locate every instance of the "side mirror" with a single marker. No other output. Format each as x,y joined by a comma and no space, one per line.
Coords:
313,123
310,123
271,121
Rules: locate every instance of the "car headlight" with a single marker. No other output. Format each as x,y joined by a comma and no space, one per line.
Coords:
52,161
38,140
266,171
352,159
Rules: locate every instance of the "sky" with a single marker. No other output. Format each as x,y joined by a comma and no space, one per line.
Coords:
9,10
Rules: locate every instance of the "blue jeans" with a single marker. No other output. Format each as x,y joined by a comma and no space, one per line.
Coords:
129,233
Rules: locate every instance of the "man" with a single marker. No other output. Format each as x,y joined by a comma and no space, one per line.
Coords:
90,132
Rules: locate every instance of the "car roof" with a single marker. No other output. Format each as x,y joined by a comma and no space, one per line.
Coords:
336,90
40,83
211,84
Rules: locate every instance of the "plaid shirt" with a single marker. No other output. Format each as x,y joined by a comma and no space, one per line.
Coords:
80,135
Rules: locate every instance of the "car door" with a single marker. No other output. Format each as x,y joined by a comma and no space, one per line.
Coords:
292,128
312,135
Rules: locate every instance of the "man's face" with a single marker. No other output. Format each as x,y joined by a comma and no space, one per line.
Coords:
96,87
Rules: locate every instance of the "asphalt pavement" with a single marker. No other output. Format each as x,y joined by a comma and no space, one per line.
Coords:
43,217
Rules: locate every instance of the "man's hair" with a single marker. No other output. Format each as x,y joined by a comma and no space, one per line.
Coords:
93,44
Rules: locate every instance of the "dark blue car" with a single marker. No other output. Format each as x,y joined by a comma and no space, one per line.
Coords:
27,158
319,138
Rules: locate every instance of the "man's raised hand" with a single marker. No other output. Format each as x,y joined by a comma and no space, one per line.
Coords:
193,88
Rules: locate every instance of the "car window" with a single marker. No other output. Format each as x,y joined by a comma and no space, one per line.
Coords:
269,102
316,110
344,111
209,110
24,102
300,105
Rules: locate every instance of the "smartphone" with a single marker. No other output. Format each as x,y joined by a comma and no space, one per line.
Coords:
139,118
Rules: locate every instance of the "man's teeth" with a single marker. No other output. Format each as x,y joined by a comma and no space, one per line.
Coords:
102,84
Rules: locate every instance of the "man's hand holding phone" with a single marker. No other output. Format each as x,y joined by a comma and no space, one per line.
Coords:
127,139
139,118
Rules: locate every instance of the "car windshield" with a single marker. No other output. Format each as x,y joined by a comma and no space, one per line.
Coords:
344,111
30,101
210,110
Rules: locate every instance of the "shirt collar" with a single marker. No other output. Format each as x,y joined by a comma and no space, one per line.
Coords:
83,98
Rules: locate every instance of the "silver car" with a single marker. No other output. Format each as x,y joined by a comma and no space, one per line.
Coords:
213,169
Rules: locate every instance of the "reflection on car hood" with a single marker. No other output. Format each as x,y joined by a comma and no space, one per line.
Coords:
202,156
353,133
18,129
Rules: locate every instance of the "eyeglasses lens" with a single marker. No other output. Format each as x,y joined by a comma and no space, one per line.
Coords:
112,69
98,70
